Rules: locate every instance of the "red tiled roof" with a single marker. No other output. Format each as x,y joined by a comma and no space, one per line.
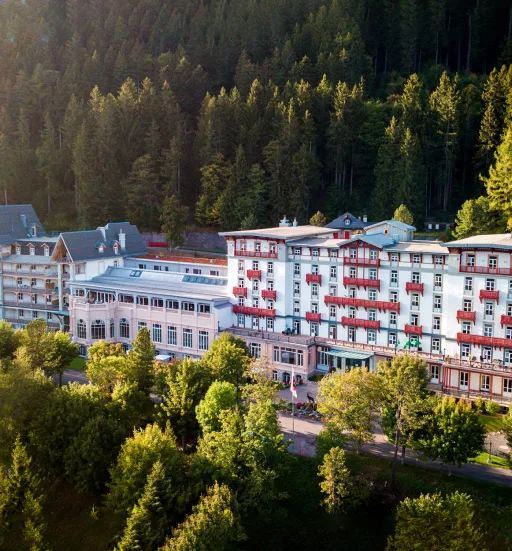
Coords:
190,259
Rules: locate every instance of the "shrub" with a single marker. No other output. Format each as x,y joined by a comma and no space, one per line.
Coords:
492,407
479,404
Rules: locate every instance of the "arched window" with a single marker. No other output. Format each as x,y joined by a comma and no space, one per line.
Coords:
112,328
124,329
81,329
97,330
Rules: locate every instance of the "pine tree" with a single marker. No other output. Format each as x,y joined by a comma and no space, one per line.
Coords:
140,361
49,161
476,217
174,219
403,214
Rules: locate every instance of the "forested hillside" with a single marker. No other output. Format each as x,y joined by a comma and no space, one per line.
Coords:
250,109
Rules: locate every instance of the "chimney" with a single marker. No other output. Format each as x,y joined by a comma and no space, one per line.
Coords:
295,223
284,223
103,233
122,240
359,217
23,220
365,218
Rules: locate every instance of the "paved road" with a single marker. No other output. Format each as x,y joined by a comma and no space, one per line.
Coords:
72,376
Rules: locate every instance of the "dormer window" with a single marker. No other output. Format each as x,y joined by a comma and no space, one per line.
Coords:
116,248
347,221
46,250
32,250
101,249
34,231
18,249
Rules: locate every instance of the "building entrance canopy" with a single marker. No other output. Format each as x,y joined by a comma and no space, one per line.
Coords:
349,354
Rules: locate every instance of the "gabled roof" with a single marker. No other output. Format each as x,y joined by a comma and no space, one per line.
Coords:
379,240
395,223
340,223
498,241
16,221
85,245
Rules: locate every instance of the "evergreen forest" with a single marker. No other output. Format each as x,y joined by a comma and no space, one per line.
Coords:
246,110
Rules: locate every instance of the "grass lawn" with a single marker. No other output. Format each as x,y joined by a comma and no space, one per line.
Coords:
78,364
496,461
492,423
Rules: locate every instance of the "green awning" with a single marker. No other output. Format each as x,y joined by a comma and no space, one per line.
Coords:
349,354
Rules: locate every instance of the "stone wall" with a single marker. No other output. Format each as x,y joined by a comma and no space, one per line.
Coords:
194,240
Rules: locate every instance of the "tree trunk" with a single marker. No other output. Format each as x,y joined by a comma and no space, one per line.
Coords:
60,379
183,441
402,460
468,59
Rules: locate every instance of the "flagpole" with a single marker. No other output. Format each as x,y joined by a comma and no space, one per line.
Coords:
293,416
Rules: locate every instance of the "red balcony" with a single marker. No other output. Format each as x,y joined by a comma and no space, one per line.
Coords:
485,270
506,320
313,278
254,274
417,287
367,324
413,330
333,300
377,304
255,254
254,311
361,261
482,340
490,295
360,282
266,293
466,316
240,291
310,316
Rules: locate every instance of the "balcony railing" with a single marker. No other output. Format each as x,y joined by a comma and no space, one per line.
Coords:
255,254
240,291
333,300
361,261
506,320
313,316
266,312
469,316
354,322
489,295
313,278
254,274
267,293
485,270
413,330
417,287
482,340
361,282
364,303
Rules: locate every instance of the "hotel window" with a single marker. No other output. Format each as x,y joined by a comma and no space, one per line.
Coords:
485,383
416,259
352,272
436,324
352,334
394,257
255,285
255,349
296,251
392,339
352,292
21,314
187,338
332,332
372,337
333,272
124,329
157,268
468,284
272,248
434,373
19,281
415,277
255,265
332,290
489,309
142,266
20,296
353,253
276,354
415,300
270,324
203,340
270,268
373,274
332,311
255,302
157,302
296,308
464,380
414,320
314,252
241,267
372,315
466,328
212,272
314,307
46,250
394,277
436,345
241,282
98,330
81,329
507,386
509,309
314,269
493,262
352,312
141,325
490,284
487,354
467,305
373,254
438,281
314,290
392,318
393,297
270,304
508,356
488,330
157,333
471,260
172,304
241,320
257,246
296,288
188,306
437,303
243,246
333,253
314,329
270,284
143,301
18,249
296,270
439,261
112,328
372,294
296,326
32,250
465,351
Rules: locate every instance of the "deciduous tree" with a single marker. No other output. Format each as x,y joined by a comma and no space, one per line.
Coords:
403,214
219,397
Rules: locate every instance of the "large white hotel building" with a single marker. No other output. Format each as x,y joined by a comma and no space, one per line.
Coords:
317,299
